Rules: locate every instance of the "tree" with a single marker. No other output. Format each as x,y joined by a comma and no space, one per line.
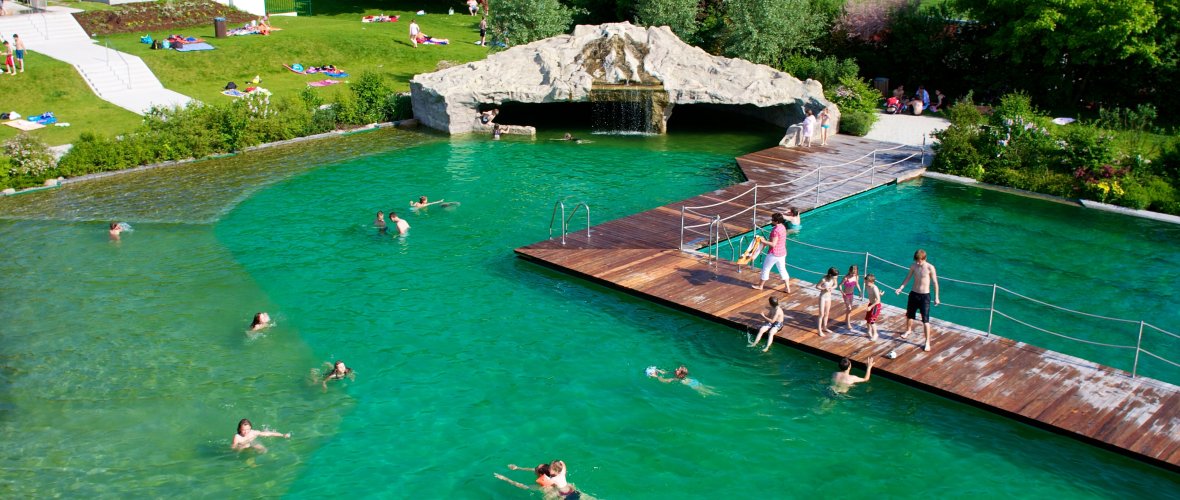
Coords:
680,15
767,31
1073,49
523,21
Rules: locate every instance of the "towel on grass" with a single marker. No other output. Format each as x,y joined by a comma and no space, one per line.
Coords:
339,74
193,47
233,93
323,83
24,125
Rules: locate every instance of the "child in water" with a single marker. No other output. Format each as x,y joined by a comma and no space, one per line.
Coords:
774,323
338,372
261,320
849,286
380,222
682,377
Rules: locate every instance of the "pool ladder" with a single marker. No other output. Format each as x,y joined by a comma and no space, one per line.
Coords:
565,221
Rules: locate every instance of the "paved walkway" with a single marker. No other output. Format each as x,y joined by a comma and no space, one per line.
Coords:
906,129
117,77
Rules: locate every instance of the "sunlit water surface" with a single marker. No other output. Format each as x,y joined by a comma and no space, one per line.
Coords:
127,365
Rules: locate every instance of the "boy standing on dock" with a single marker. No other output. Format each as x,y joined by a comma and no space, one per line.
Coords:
919,301
874,310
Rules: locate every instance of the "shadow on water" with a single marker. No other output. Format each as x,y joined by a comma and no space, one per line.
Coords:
198,192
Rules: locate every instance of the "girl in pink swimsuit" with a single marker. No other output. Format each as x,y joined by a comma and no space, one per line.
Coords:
850,285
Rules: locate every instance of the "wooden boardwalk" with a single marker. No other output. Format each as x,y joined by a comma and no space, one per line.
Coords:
639,254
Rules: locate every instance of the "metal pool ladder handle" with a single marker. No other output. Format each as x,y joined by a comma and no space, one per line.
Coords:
565,221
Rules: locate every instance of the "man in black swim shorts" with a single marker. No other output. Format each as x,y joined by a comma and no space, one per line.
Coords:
924,276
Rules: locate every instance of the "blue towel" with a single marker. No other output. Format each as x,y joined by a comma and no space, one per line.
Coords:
337,75
192,47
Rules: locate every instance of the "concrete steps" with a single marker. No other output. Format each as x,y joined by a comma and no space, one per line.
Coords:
120,78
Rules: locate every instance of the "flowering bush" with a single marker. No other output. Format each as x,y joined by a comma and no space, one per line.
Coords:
28,156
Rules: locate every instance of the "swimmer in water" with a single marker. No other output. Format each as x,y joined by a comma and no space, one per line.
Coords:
246,435
261,320
844,379
402,225
339,371
423,203
115,230
682,377
543,480
380,222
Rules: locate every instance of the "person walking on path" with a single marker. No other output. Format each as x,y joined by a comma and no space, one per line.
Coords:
924,277
19,45
777,255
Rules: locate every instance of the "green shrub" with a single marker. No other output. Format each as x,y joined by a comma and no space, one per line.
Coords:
963,113
829,70
857,122
1040,180
955,153
1085,147
854,94
89,154
28,156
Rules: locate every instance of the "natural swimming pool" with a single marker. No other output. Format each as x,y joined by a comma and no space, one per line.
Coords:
127,366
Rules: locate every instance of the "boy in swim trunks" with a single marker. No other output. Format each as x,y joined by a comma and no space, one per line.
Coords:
919,301
20,51
774,323
874,309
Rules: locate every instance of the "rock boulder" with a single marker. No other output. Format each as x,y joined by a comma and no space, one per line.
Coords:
602,58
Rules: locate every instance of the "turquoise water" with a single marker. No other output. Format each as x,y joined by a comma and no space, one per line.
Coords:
1078,259
127,364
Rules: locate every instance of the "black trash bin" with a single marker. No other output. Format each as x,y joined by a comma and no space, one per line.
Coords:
219,27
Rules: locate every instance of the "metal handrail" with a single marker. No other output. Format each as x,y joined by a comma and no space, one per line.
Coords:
993,311
565,220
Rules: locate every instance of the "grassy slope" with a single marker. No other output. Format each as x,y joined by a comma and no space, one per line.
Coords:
51,85
338,39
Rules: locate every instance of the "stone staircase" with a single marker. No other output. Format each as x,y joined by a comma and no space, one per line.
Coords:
117,77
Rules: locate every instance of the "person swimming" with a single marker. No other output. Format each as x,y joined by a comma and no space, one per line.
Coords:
844,379
542,471
261,320
681,375
380,222
401,224
339,372
246,435
115,230
423,202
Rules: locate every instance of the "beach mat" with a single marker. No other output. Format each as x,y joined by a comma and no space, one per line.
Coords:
323,83
233,93
24,125
193,47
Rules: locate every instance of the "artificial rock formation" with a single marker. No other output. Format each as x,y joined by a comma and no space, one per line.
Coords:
598,62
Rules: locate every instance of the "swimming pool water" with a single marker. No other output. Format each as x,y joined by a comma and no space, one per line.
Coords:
127,367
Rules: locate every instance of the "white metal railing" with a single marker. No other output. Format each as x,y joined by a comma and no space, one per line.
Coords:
565,221
815,185
993,311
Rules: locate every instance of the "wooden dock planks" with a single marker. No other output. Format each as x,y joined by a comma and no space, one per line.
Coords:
639,254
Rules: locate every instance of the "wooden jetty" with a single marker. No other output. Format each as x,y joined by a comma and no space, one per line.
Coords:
642,255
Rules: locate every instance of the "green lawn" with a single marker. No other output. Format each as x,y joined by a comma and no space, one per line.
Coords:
338,39
51,85
83,5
